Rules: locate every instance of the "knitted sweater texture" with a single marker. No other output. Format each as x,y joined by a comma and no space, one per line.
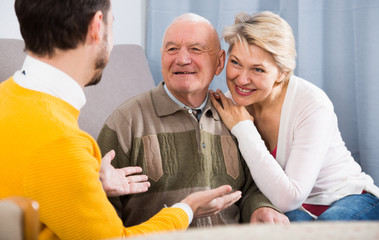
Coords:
46,157
180,155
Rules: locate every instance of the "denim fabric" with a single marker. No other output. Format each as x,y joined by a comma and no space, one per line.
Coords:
298,215
354,207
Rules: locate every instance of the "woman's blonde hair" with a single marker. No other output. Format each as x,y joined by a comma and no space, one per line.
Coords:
267,31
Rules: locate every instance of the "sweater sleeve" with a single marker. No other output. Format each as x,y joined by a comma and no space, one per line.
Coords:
168,219
252,198
288,187
65,181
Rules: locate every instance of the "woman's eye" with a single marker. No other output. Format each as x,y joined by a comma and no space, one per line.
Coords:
234,62
259,70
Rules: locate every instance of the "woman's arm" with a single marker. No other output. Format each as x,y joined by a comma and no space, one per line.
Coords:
287,187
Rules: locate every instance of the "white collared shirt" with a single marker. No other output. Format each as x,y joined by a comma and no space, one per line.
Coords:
182,105
39,76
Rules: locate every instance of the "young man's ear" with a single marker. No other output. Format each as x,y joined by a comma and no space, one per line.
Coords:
96,28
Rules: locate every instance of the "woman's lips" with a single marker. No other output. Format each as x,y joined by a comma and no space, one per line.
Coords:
244,91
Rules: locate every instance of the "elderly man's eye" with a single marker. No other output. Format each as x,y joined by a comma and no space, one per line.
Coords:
172,50
196,50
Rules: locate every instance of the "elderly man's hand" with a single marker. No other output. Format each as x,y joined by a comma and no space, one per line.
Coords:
268,215
116,182
210,202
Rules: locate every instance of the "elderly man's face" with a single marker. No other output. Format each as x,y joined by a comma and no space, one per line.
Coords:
190,58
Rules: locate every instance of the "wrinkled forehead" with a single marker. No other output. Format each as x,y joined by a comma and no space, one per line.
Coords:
190,33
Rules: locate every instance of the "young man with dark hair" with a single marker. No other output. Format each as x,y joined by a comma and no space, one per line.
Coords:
43,153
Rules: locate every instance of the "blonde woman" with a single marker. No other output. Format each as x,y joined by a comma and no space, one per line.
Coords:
287,129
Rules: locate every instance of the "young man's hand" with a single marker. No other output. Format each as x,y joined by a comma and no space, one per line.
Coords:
117,182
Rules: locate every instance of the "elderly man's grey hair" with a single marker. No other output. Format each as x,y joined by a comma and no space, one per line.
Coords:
190,17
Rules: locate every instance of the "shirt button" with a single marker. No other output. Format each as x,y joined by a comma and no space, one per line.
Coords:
190,111
203,145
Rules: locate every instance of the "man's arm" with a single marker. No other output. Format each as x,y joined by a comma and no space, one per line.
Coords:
255,207
202,203
65,182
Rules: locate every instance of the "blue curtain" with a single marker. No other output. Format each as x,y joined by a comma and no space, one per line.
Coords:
337,49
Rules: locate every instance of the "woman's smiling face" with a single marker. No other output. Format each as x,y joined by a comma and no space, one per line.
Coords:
251,73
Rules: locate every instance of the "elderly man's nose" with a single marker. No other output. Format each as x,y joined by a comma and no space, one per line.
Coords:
183,57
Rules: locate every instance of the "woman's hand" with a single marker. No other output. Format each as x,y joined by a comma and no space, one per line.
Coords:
230,113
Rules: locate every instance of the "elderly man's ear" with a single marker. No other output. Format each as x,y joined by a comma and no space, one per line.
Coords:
221,61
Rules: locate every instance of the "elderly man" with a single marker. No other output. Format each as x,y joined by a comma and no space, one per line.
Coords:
174,133
43,153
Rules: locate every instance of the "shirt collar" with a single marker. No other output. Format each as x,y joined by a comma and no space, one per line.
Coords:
39,76
182,105
164,105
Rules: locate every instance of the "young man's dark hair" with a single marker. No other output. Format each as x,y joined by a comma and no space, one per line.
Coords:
68,44
61,24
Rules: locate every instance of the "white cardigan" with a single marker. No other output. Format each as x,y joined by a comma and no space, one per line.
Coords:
312,163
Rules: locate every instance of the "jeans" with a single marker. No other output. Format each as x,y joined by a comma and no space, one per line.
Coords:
354,207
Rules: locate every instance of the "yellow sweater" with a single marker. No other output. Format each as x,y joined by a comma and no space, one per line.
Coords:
46,157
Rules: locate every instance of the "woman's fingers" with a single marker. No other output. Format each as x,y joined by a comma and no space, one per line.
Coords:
215,103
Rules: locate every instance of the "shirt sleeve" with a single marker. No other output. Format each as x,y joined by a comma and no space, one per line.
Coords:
252,198
168,219
288,187
186,208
